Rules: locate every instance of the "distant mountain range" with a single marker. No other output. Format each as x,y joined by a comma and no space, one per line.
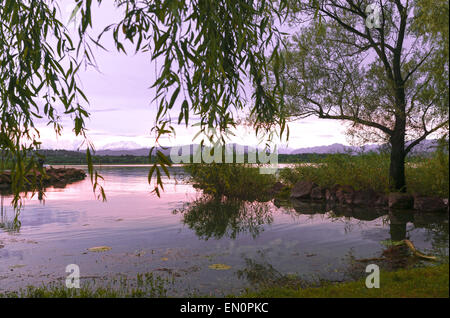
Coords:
122,145
129,148
425,146
334,148
124,152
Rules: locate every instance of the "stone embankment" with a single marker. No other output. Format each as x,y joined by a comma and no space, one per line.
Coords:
346,195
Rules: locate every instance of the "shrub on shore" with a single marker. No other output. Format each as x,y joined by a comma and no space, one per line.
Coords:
429,175
232,180
344,169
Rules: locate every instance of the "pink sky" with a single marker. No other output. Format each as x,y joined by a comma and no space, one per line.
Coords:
120,102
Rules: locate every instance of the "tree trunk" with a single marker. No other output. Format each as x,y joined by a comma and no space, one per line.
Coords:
397,182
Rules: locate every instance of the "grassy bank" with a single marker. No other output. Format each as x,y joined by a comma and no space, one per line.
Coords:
424,175
419,282
145,285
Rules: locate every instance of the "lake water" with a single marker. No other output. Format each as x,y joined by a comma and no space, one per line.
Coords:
182,235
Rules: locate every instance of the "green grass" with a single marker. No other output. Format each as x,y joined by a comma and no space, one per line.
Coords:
145,285
429,175
430,282
424,175
344,169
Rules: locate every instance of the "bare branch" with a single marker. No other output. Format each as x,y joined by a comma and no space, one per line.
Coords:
424,136
384,129
418,65
366,36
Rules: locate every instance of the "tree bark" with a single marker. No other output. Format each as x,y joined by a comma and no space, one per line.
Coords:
397,182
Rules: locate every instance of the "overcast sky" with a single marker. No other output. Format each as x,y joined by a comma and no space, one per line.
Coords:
120,106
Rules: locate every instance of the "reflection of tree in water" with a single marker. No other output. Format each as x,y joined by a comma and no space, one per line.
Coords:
436,227
261,274
7,223
434,224
352,217
12,223
349,222
210,217
397,254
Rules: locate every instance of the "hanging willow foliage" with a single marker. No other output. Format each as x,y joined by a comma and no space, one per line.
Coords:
207,49
39,63
210,49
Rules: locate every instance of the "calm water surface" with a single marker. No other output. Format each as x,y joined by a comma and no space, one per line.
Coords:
182,234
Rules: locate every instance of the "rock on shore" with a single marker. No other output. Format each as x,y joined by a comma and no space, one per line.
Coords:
347,195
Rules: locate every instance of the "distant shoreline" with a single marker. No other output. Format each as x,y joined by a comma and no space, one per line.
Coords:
280,165
54,176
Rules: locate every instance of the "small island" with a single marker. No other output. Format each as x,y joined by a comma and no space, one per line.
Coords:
56,177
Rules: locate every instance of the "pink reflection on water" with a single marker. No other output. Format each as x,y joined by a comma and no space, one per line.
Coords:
117,184
76,211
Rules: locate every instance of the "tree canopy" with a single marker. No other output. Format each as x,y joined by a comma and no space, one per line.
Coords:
390,80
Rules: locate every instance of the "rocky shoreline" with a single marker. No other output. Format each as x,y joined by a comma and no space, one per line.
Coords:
346,195
56,177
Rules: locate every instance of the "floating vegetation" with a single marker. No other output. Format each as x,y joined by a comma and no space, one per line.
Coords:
98,249
219,267
140,253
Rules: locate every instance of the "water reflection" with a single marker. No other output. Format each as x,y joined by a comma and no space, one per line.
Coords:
435,224
261,271
217,218
301,238
9,216
7,222
358,213
211,218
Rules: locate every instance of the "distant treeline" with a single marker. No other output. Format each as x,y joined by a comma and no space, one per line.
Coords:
67,157
53,157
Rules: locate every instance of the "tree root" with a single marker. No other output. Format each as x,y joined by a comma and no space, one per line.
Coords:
417,253
410,245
